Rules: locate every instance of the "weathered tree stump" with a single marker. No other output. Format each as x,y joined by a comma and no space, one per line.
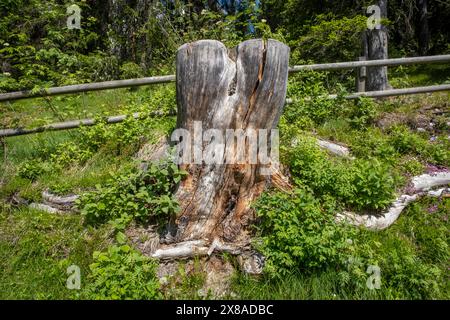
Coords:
225,90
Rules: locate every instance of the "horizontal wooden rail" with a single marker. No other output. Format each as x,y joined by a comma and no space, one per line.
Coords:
76,88
171,78
73,124
120,118
397,92
372,63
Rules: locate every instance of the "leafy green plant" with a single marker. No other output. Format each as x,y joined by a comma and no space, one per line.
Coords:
364,184
373,185
405,141
122,273
32,169
310,98
362,113
131,70
138,195
298,233
68,153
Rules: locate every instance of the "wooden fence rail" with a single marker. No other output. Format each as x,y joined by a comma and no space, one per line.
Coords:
171,78
77,88
85,87
73,124
372,63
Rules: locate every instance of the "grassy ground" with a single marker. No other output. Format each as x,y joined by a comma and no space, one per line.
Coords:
36,247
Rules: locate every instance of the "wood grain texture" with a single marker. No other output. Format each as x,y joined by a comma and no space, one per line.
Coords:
241,88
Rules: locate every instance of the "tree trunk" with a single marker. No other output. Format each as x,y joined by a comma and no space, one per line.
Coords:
424,33
377,48
243,88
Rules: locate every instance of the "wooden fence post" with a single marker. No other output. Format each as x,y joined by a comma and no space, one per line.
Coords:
361,74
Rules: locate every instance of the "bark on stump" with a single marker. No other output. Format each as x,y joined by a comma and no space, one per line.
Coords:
242,88
377,48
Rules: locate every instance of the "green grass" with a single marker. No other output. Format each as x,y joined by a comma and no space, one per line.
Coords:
37,247
419,75
34,112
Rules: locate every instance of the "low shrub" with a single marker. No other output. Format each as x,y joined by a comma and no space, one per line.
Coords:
138,195
122,273
32,169
299,233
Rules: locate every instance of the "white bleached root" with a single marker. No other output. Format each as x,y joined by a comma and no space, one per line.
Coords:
55,204
44,207
422,187
60,201
192,248
251,262
331,147
334,148
428,181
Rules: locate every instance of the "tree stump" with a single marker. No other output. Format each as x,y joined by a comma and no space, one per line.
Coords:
228,95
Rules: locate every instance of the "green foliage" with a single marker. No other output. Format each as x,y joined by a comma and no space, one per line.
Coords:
68,153
364,184
32,169
362,113
405,141
372,143
412,254
330,38
373,185
310,99
299,233
122,273
131,70
412,166
138,195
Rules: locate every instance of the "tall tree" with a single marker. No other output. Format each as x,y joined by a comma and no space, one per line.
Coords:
424,33
377,48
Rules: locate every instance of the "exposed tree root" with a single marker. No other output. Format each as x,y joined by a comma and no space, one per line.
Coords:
251,262
421,187
63,203
44,207
51,203
189,249
334,148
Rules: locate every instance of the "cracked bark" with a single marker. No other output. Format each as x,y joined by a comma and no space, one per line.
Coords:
242,88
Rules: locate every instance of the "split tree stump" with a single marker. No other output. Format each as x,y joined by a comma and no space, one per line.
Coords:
241,88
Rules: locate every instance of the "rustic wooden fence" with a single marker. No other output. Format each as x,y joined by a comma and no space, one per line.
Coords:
358,65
